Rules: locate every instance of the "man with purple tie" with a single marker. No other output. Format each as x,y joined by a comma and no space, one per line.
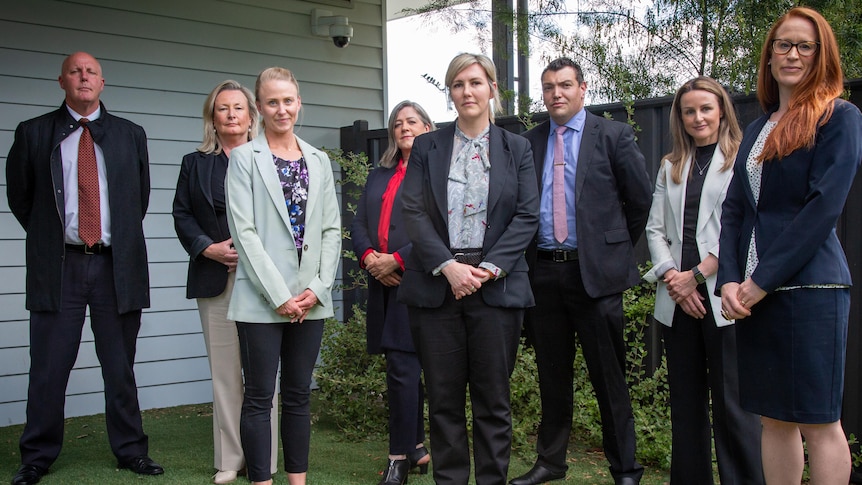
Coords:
78,182
595,199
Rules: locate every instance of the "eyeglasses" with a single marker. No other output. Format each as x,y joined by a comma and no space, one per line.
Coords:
805,49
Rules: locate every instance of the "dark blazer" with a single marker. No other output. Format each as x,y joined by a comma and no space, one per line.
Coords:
801,198
513,208
387,325
197,225
613,200
34,186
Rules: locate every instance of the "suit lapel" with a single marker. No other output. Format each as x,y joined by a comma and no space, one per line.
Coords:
204,169
439,158
676,196
501,165
715,184
585,153
540,147
315,165
266,168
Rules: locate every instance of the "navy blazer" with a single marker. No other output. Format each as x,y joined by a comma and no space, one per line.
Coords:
801,197
197,225
613,200
387,326
513,207
34,187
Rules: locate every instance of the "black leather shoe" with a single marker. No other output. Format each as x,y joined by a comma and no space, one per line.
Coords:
142,465
538,474
627,481
28,475
396,472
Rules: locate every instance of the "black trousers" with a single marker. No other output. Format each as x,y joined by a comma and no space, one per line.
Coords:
262,345
468,343
406,401
88,282
563,311
702,367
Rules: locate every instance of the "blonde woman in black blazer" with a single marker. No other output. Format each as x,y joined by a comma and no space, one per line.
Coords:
470,209
230,120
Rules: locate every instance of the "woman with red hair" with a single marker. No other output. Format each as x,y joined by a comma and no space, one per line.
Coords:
782,271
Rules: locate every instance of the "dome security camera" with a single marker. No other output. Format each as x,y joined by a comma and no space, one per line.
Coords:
324,24
341,35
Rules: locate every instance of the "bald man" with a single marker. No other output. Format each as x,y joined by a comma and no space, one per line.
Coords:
78,182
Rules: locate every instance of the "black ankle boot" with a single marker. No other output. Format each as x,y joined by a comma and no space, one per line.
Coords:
396,472
416,456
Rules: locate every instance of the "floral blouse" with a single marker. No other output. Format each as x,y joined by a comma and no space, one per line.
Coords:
293,175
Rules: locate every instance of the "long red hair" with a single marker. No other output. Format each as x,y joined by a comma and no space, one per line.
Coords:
810,105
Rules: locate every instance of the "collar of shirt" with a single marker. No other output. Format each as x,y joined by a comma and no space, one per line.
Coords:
92,116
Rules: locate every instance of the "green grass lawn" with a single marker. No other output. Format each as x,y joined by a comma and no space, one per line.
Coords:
181,441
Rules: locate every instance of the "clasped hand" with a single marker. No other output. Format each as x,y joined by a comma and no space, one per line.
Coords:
383,267
297,307
464,279
682,288
224,253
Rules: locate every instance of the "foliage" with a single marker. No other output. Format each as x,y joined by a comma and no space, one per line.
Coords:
638,50
352,381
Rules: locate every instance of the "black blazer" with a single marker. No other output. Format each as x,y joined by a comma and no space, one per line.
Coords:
197,225
513,206
613,200
34,187
801,197
387,326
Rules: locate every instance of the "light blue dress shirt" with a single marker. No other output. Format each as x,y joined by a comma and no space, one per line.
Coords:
572,138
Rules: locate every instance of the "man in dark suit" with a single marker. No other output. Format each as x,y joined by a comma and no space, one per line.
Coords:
78,183
581,262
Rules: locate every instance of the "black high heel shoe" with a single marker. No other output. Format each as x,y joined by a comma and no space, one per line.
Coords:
415,456
396,472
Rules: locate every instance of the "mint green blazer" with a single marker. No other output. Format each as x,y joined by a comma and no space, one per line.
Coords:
269,271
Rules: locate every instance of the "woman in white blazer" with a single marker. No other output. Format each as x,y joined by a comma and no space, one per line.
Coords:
683,232
285,222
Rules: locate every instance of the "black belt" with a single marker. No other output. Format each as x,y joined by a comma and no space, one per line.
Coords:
94,249
558,255
471,256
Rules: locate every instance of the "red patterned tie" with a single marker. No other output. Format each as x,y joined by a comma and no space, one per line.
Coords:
561,228
89,213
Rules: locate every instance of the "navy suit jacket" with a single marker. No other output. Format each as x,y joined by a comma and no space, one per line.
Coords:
513,206
197,225
387,325
34,187
613,196
801,197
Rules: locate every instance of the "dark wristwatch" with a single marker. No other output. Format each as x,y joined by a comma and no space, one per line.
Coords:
698,276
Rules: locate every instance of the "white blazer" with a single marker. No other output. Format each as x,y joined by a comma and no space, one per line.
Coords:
664,230
269,271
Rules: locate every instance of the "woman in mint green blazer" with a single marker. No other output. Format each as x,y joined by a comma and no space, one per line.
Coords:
285,222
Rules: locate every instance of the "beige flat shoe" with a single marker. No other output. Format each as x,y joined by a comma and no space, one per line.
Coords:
224,476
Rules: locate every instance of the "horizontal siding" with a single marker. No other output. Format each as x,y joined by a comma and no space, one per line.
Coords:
160,59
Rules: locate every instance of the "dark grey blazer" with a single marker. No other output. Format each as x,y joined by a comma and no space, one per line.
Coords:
34,176
613,200
513,206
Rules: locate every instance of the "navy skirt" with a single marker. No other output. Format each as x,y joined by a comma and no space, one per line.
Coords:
791,354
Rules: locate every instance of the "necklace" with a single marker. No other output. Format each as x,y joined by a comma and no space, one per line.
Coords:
700,169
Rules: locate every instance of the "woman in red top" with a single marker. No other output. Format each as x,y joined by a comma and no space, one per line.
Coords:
381,243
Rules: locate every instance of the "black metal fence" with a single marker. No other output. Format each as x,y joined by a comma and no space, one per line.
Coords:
651,116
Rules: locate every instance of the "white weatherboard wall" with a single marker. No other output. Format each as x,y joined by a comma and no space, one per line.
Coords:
160,58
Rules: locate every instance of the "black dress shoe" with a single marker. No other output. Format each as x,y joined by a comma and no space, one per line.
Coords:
627,481
28,475
538,474
142,465
396,472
